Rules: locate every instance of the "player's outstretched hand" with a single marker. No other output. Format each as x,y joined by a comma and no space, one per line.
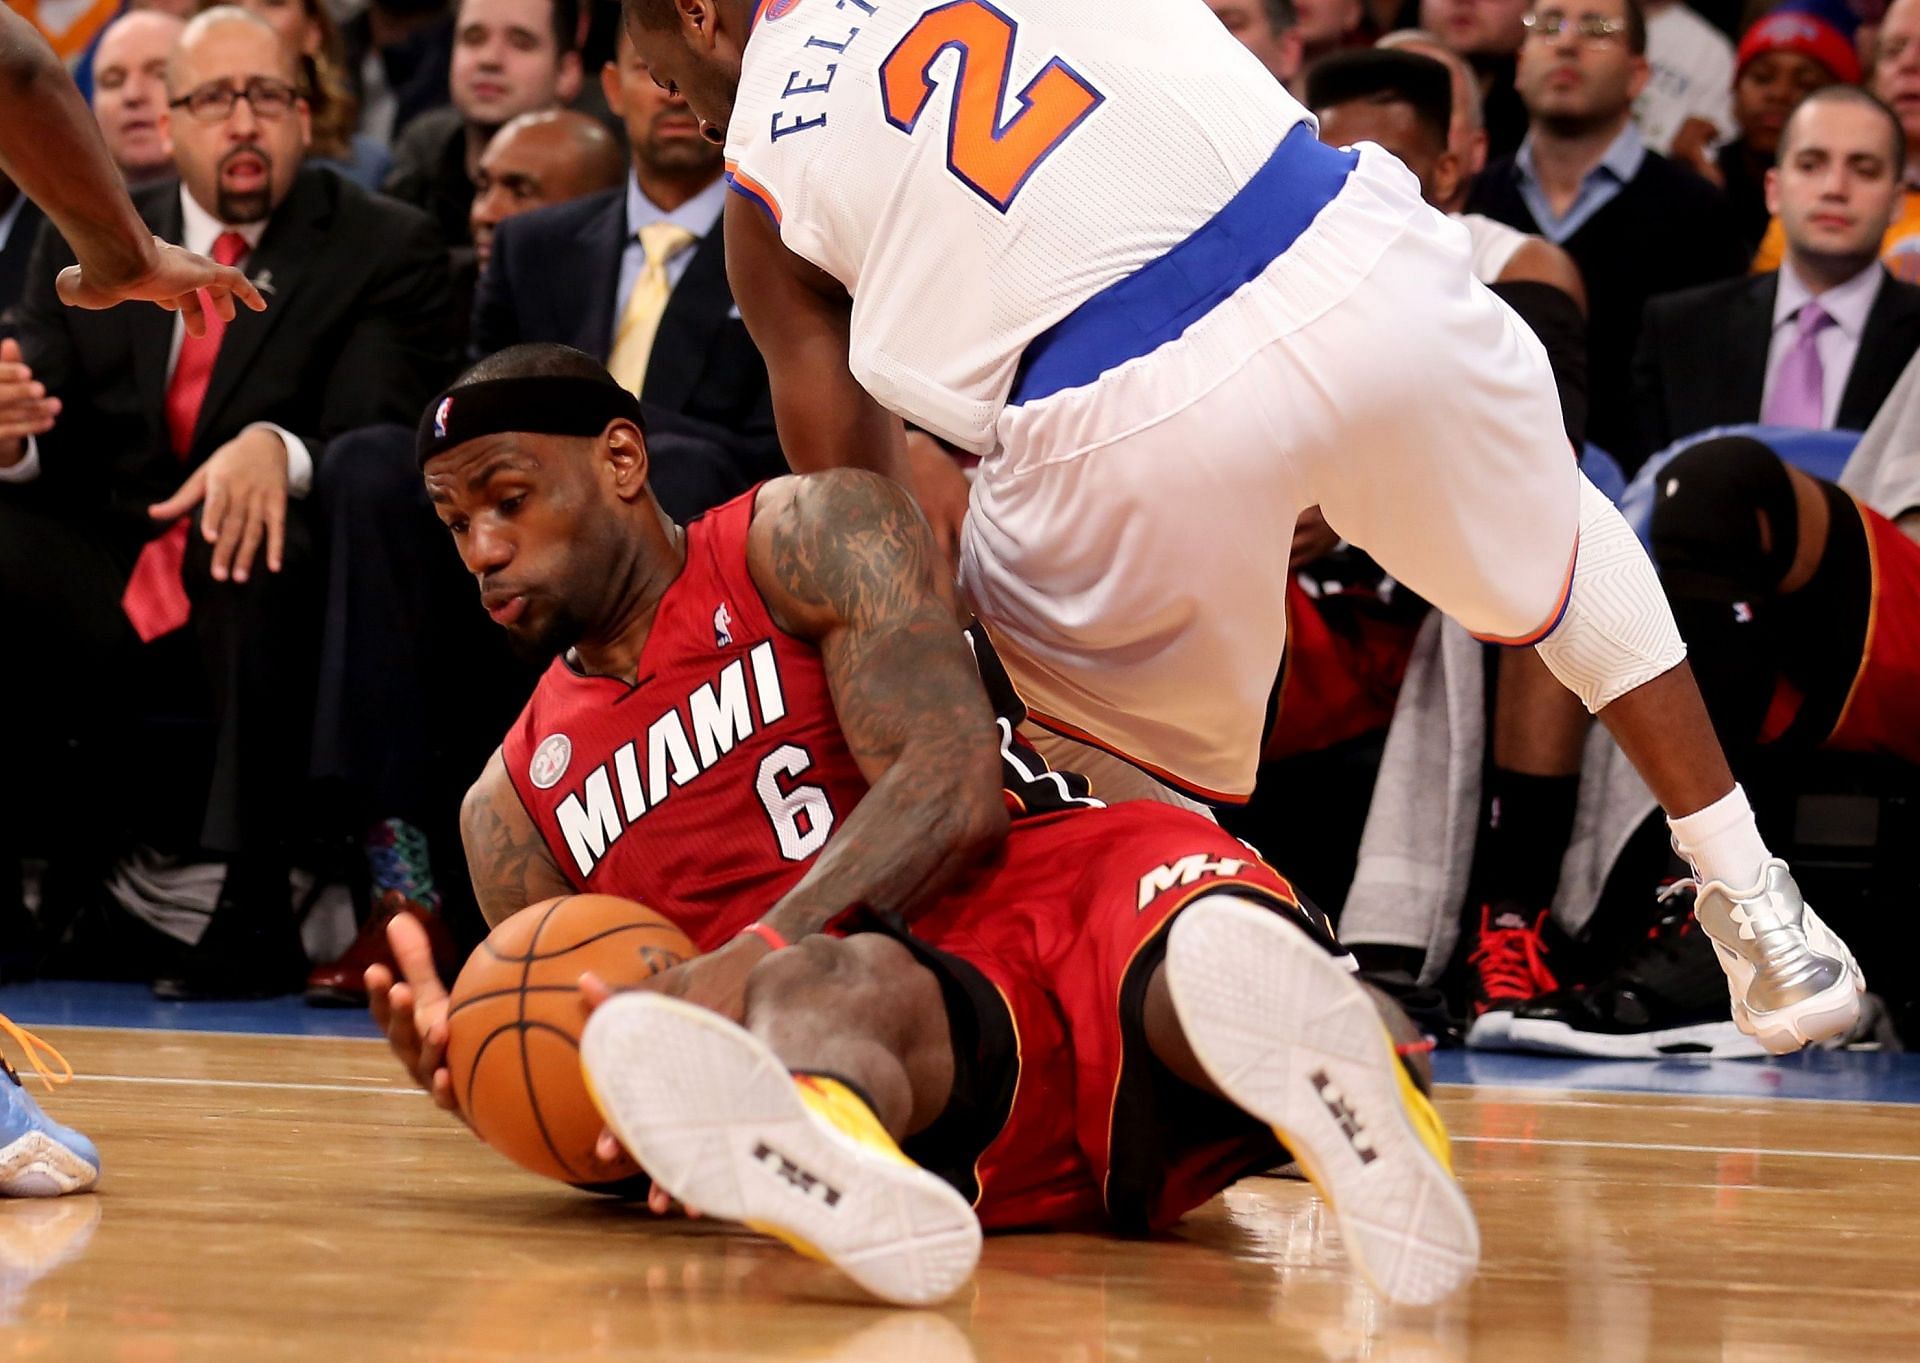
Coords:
413,1011
175,282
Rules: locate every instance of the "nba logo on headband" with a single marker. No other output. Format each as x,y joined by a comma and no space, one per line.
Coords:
440,415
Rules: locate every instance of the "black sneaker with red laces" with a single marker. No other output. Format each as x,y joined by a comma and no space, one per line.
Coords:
1670,998
1506,969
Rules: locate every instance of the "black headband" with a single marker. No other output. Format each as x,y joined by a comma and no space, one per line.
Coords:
538,406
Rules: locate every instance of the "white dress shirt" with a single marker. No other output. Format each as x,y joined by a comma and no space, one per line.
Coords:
201,229
1837,345
698,215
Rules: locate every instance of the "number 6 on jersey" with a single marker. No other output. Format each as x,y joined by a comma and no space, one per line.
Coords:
993,157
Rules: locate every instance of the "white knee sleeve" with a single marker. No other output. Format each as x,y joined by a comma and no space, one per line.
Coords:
1618,631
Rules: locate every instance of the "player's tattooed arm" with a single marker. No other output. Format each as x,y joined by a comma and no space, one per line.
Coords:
844,558
506,856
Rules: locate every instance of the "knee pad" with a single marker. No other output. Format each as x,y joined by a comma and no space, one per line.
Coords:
1617,632
1710,504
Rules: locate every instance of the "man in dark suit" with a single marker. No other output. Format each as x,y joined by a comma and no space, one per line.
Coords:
19,225
1819,343
637,277
510,57
153,545
1635,223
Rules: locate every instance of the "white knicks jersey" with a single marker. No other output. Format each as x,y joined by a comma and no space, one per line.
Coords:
972,171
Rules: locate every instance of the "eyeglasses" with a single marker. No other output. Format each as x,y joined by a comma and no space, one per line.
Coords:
268,98
1594,28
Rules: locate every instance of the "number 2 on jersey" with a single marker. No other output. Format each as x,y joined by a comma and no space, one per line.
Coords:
993,157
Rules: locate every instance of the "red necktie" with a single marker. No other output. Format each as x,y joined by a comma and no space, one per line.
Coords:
155,598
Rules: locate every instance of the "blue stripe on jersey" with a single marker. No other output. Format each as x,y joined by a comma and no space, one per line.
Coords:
1158,302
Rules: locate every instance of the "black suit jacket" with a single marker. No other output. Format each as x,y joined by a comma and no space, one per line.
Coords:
354,333
1702,358
14,256
553,275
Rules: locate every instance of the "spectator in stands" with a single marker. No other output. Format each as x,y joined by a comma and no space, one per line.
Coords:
399,54
20,220
163,488
1820,342
1896,80
1783,58
1686,107
1489,34
538,159
1269,29
1328,26
130,93
1392,98
1466,132
637,277
510,57
1636,224
308,32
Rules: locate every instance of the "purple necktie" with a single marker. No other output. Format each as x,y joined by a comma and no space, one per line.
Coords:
1798,398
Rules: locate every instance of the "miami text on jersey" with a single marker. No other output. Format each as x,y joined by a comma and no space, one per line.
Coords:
678,746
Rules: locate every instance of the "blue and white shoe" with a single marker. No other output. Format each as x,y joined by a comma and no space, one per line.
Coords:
38,1156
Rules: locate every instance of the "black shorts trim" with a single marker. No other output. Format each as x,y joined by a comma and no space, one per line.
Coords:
1159,1119
986,1061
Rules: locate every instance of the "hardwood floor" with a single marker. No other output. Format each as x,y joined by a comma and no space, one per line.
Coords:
272,1197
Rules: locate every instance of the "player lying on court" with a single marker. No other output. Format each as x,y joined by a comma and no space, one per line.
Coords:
1095,243
917,1021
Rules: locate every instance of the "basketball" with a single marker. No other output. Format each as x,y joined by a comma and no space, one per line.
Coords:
514,1021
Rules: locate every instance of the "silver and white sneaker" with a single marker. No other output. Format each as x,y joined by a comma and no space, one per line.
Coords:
1792,981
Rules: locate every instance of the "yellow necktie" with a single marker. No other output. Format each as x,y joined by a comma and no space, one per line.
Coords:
660,242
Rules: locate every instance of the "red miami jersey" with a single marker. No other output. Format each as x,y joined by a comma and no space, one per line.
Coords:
706,788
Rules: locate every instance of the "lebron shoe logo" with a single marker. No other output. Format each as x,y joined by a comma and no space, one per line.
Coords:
1349,1120
794,1174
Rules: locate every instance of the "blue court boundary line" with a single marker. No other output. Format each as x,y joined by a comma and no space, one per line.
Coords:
1861,1077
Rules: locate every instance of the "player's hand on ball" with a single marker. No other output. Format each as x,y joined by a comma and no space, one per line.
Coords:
176,281
412,1011
716,981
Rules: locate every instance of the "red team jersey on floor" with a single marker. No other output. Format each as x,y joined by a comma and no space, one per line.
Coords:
705,790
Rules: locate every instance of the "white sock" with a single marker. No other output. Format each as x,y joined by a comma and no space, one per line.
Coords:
1722,841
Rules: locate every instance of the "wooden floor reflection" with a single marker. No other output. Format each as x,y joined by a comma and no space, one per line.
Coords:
279,1198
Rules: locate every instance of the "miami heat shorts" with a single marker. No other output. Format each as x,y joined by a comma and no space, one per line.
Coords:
1060,1113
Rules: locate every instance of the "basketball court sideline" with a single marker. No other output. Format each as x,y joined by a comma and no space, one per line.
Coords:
277,1195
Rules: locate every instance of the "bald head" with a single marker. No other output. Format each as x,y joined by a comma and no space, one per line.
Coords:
537,159
130,92
210,28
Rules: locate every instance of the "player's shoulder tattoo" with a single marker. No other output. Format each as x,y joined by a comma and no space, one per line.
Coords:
854,543
507,857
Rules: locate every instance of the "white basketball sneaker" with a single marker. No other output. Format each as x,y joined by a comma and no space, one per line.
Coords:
1792,981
